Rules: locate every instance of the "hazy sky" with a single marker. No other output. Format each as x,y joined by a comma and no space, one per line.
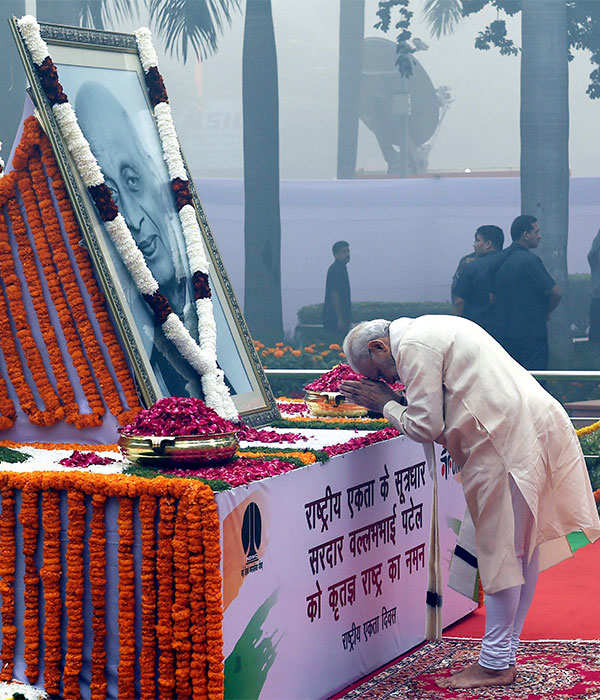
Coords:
480,130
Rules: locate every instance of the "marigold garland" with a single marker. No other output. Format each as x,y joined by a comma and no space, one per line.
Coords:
15,369
126,601
16,295
109,336
60,446
304,457
73,593
12,307
181,607
212,594
587,429
7,580
7,407
33,163
97,547
164,575
34,284
147,510
59,278
29,517
51,575
68,301
198,604
110,390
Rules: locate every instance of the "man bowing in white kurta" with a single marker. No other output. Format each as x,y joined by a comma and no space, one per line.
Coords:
523,473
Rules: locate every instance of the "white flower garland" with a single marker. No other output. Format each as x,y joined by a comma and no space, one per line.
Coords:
201,356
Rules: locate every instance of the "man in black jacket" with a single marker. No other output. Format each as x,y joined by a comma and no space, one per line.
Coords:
525,295
473,287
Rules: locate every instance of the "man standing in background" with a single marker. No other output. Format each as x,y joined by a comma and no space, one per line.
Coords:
337,309
474,285
525,295
594,261
462,264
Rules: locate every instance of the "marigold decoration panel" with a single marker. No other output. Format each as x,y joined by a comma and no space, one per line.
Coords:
46,278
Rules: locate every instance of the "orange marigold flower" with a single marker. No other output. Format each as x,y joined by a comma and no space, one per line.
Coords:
296,353
334,346
278,353
278,345
308,349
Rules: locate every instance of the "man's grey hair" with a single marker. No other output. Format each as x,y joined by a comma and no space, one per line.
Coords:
356,343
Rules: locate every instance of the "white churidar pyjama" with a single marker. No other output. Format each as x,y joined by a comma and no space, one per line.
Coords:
505,611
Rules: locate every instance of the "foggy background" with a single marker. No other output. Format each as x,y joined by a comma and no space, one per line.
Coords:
406,234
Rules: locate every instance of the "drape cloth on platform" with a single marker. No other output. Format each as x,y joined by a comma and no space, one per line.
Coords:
111,585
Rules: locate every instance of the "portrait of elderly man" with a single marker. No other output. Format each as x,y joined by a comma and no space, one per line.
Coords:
133,179
123,138
522,470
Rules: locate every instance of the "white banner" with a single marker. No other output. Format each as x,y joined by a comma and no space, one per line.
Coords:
325,570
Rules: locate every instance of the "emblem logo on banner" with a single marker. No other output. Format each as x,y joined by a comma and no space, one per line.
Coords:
251,535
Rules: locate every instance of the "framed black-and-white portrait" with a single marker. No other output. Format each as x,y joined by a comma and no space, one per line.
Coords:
102,75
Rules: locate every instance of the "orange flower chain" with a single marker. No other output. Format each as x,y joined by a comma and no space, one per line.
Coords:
147,510
29,517
74,588
7,580
164,576
51,575
60,302
126,601
117,357
44,262
181,607
28,261
181,618
15,310
97,549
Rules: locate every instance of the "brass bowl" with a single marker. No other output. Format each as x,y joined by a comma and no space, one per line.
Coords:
333,403
181,451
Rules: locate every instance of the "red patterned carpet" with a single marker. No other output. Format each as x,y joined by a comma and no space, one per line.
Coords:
545,670
566,606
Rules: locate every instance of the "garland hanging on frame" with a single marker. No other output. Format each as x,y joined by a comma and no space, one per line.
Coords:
200,355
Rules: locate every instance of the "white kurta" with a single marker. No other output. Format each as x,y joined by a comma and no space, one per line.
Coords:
465,392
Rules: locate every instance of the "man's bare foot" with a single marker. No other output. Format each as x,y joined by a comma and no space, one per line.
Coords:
477,676
512,667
